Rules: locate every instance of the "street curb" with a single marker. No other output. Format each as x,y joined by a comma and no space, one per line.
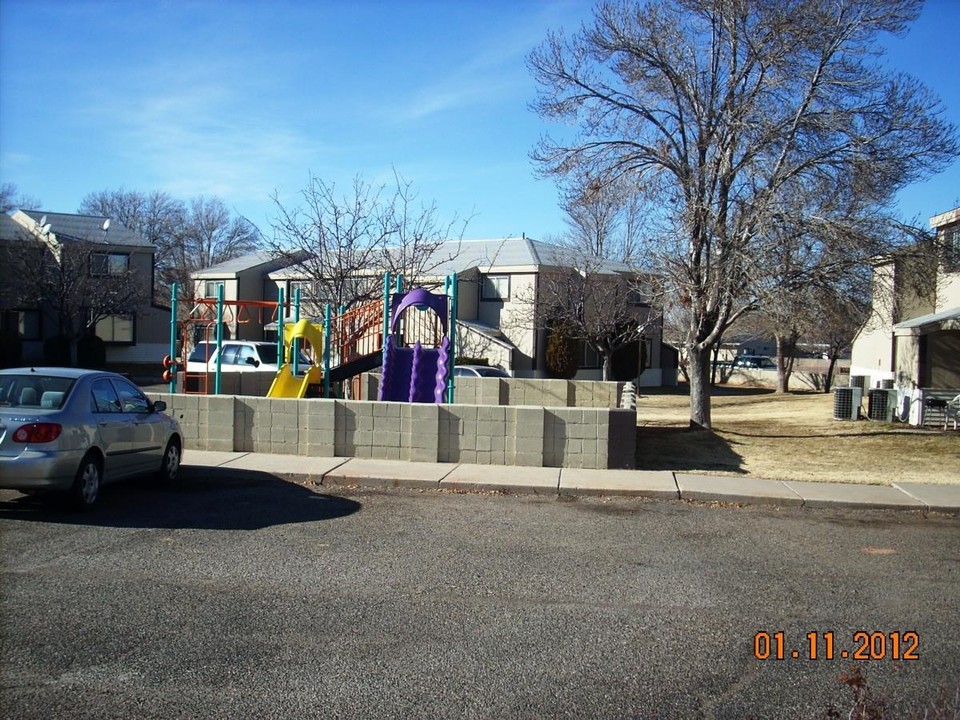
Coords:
336,472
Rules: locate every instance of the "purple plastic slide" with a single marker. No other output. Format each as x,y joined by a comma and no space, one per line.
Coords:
415,374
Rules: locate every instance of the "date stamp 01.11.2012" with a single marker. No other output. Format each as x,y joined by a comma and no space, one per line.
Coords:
827,645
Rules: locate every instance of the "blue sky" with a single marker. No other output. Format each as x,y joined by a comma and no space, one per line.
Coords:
244,99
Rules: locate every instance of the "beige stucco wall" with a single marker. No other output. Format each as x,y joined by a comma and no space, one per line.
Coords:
907,361
948,292
468,295
514,317
872,355
472,344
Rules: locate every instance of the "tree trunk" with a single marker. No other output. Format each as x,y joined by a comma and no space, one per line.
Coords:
698,363
786,344
607,364
828,380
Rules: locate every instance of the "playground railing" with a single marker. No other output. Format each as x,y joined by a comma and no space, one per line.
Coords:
357,332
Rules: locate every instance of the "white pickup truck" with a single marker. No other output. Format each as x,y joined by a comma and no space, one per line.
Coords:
239,356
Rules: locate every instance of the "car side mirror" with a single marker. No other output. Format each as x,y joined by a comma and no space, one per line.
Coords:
159,406
253,361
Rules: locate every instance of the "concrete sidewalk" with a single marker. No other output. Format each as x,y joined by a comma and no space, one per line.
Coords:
341,471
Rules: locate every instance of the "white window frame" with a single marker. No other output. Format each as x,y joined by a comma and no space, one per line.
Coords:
492,288
106,328
114,264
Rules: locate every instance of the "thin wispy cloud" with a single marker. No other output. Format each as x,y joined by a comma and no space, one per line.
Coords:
494,73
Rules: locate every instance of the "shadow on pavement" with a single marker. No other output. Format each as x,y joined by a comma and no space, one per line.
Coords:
204,499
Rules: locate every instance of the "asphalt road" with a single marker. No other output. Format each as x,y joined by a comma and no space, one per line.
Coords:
249,597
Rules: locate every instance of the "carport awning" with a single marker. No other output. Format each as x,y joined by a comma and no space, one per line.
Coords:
944,320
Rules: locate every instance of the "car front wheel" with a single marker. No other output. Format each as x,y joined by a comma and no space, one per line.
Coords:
170,464
86,486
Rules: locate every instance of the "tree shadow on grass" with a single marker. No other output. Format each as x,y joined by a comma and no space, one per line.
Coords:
685,450
683,390
919,432
204,499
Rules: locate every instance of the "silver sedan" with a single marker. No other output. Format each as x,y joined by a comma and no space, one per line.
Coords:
73,430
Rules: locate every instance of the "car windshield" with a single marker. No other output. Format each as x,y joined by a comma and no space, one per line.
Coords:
268,353
203,352
34,390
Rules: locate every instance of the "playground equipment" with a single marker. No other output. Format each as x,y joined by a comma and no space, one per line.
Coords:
417,373
289,382
343,346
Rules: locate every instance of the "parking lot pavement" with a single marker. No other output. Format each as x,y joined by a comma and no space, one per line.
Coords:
240,594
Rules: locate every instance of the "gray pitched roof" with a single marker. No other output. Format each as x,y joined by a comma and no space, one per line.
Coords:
10,229
88,228
517,254
511,254
264,259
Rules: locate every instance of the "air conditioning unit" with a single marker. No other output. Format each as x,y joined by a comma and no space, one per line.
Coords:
858,381
881,404
846,403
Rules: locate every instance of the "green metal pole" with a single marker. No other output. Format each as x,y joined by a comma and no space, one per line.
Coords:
386,314
296,341
453,336
327,336
216,376
173,334
280,312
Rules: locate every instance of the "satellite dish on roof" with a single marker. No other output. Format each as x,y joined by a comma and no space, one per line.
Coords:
106,224
45,230
43,220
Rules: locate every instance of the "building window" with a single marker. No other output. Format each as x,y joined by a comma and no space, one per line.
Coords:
591,358
310,302
495,287
210,288
25,323
304,286
104,264
950,239
118,329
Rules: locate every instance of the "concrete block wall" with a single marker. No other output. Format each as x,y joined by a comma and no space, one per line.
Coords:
255,383
525,391
479,434
576,438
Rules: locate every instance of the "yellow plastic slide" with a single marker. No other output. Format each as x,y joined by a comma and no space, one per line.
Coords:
286,384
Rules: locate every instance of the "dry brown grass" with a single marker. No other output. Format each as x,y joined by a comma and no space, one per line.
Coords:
789,437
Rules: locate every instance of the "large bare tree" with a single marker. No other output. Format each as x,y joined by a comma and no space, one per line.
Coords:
594,305
718,109
343,242
187,236
419,242
603,220
598,300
